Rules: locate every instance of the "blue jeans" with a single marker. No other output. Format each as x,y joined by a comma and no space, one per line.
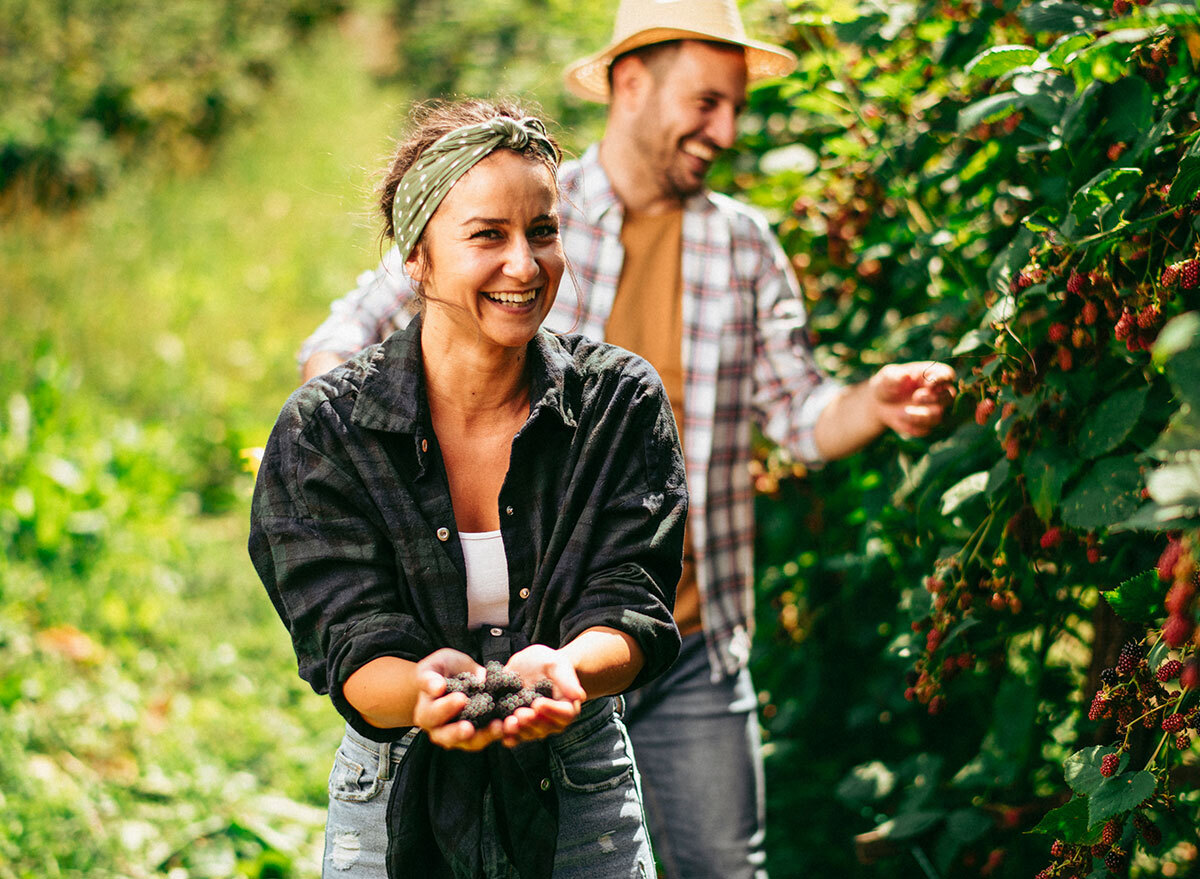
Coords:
601,821
699,752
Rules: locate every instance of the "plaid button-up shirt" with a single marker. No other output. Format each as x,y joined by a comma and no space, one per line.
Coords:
746,358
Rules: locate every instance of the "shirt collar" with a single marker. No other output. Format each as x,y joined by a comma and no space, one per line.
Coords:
392,397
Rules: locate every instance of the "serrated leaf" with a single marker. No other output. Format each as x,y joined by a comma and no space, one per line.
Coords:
962,491
1120,794
990,109
1109,493
1110,423
1069,822
1138,600
1046,472
1187,177
1082,769
1102,191
1059,17
1000,59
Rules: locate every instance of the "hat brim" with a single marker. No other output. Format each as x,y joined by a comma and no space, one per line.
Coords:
587,78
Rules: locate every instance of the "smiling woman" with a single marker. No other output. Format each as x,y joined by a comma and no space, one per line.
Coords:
477,489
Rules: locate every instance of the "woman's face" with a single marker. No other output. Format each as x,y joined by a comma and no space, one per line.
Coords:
493,258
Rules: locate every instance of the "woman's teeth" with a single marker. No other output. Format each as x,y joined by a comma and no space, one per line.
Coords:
517,298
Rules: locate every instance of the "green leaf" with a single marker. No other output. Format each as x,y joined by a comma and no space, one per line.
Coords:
962,491
1180,333
1082,769
1158,653
1057,16
1046,472
1103,191
1120,794
1182,434
1138,600
1069,823
963,827
997,476
1187,177
1107,494
990,109
1000,59
909,824
1066,46
866,784
1110,423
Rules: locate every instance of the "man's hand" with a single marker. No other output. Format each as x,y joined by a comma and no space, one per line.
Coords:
911,398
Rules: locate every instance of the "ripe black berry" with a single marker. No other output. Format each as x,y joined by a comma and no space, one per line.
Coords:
1131,654
1108,677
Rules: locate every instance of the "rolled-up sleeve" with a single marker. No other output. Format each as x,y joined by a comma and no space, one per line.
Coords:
327,565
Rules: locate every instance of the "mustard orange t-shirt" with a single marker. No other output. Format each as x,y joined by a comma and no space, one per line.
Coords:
647,319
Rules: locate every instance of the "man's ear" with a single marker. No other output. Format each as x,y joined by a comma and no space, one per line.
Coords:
630,81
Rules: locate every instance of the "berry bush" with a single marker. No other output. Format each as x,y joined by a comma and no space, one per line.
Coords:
995,629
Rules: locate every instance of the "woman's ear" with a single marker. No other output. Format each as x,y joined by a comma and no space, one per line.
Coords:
416,264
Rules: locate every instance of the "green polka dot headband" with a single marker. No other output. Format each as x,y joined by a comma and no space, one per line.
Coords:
448,158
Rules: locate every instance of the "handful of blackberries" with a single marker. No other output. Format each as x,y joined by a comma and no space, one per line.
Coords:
498,695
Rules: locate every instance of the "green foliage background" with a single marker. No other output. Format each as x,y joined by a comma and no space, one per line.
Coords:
940,171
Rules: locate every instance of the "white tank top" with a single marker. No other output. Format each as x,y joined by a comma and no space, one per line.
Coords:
487,578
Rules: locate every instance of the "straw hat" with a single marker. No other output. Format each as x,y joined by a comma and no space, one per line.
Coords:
642,22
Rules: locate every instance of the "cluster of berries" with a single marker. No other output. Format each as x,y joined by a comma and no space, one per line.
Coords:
1177,566
498,695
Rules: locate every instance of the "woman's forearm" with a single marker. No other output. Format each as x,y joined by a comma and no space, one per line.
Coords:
384,692
606,660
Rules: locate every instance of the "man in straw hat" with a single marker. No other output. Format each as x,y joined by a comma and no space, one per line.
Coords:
696,283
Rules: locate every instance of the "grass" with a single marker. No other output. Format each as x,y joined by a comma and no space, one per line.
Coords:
151,719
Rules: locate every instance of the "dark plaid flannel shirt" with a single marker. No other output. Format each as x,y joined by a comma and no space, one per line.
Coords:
353,534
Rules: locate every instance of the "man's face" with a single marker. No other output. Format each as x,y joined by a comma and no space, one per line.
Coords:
690,115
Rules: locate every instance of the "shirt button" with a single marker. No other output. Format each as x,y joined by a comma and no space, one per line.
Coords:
424,445
524,593
508,510
496,631
545,785
443,534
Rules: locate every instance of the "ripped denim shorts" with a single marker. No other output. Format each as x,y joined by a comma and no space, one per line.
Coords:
602,827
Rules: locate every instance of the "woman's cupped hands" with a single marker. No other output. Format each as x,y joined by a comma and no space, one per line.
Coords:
436,709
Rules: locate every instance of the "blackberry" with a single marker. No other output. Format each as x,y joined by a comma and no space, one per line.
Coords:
1169,670
1183,741
1174,723
1099,707
1108,677
506,705
1152,835
500,682
1075,283
1131,654
544,687
1148,317
1169,275
1057,848
1114,859
1065,359
462,683
1124,326
479,710
1109,764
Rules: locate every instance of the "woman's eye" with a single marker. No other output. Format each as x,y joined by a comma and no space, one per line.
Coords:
548,230
486,233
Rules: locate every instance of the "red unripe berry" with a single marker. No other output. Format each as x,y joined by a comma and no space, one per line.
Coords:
1183,741
1148,317
1169,559
1174,723
1075,283
1057,332
984,410
1024,280
1124,325
1115,150
1169,275
1090,312
1179,597
1052,537
910,693
1093,554
1099,707
1177,630
1012,446
1169,670
936,704
1190,274
1057,848
933,640
1065,359
1191,676
1109,764
1111,832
